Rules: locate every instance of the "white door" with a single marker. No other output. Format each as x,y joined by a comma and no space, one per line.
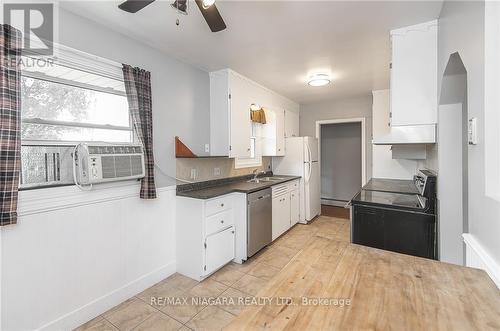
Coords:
312,191
240,124
294,207
219,250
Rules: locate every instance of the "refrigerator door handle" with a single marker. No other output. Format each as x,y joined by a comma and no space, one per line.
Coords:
309,153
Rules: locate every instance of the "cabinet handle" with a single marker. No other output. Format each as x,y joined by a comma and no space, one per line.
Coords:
248,149
222,221
222,205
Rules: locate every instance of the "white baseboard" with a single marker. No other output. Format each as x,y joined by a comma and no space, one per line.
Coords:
477,257
98,306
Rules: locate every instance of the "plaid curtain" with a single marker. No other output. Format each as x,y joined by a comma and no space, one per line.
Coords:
138,87
10,122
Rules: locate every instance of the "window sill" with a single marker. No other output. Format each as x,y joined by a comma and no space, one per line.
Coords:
247,163
55,198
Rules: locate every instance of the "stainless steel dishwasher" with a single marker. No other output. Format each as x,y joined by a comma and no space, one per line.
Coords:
259,221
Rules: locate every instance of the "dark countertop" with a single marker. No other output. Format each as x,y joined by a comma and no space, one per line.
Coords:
391,185
212,189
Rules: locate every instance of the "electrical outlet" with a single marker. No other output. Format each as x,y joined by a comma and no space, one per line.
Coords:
216,171
207,148
193,173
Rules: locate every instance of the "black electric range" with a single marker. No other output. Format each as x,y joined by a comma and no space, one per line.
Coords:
397,215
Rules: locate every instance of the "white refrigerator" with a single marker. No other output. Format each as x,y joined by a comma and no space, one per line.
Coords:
301,159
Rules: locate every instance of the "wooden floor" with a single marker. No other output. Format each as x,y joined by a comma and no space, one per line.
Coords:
364,288
385,291
333,211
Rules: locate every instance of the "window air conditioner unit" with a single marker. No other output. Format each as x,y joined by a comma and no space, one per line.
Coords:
99,162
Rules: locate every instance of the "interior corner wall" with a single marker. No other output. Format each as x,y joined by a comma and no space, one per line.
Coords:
181,92
462,30
339,109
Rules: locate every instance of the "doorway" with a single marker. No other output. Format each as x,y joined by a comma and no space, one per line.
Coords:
342,159
453,162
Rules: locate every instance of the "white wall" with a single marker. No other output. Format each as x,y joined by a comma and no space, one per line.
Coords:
70,258
61,267
461,29
384,166
181,93
340,109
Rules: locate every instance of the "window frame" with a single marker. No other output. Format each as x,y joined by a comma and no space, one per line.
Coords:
81,61
256,161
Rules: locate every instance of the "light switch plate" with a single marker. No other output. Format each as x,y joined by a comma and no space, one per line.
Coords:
472,131
216,171
207,148
193,173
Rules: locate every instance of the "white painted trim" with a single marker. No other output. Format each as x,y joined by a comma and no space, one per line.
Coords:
362,120
94,308
478,257
49,199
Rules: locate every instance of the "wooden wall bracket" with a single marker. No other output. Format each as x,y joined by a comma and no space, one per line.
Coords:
182,150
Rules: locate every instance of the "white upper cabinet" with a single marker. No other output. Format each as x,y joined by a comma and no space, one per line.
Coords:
291,124
273,133
414,75
231,96
230,125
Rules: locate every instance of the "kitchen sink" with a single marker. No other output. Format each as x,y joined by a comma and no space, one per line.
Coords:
265,179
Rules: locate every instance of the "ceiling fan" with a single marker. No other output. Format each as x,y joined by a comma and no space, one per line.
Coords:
207,8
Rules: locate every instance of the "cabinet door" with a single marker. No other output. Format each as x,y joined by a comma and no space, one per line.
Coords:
413,75
281,215
219,250
368,227
412,234
240,125
291,124
273,133
294,207
280,132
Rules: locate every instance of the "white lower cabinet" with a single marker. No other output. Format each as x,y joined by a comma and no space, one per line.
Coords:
281,214
286,207
219,249
294,207
205,234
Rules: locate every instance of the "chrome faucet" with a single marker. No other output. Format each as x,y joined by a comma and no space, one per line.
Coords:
256,173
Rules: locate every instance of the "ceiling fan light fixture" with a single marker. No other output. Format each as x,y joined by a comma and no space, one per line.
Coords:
207,3
319,80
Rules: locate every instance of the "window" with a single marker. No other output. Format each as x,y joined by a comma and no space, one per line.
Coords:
63,102
71,98
255,159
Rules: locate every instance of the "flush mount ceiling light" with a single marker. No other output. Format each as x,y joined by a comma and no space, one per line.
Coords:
319,80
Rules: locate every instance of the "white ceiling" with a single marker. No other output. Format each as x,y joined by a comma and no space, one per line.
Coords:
277,43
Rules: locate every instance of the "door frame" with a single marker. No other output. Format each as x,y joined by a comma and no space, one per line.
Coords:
361,120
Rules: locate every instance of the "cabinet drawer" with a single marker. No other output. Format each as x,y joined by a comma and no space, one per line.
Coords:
217,205
218,222
292,186
279,189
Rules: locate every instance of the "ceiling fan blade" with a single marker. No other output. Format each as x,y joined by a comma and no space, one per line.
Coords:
133,6
180,5
212,16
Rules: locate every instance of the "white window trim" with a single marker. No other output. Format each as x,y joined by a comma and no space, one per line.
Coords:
79,60
240,163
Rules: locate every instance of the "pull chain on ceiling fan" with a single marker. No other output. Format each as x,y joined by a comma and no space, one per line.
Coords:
207,8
